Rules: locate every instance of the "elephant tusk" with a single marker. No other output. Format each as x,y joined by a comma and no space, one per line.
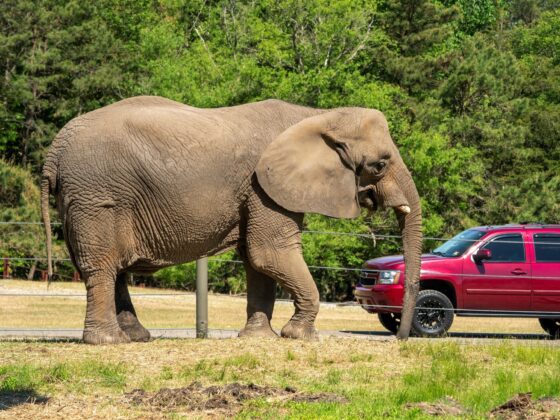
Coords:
404,209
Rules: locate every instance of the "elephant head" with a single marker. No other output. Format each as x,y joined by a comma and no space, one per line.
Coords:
336,161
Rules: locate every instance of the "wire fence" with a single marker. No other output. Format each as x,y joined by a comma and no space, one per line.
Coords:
335,233
364,235
363,271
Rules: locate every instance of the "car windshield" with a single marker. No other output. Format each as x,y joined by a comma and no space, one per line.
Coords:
459,244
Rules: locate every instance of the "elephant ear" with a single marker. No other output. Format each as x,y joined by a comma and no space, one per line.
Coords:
307,169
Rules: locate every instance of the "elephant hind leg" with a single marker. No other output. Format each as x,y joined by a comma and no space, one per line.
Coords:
101,325
261,293
126,315
91,239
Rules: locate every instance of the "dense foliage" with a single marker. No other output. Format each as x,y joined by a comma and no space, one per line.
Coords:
471,89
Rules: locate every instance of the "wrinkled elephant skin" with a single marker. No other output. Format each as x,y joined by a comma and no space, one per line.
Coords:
148,182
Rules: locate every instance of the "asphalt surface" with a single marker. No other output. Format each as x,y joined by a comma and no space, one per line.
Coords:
190,333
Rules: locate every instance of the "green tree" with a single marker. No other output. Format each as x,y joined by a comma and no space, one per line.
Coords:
421,36
471,90
58,59
19,202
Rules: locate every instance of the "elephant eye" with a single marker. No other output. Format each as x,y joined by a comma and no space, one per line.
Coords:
378,167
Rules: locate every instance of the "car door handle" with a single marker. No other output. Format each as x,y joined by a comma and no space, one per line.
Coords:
518,272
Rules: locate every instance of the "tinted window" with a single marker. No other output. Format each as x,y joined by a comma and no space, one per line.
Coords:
507,248
547,247
459,244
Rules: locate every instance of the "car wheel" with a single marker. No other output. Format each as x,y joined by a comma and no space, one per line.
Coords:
435,315
390,320
551,326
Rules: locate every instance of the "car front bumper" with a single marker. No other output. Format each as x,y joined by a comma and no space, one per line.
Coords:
380,297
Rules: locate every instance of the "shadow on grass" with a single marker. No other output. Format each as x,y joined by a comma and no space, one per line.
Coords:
9,399
525,336
541,337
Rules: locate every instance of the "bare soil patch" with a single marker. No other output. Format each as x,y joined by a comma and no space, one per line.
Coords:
445,407
196,397
522,406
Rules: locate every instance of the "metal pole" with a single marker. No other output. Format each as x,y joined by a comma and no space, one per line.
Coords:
202,297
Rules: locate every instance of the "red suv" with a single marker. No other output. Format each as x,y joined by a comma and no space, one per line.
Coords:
496,271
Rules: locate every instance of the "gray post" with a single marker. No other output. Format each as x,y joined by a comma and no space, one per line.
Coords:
202,298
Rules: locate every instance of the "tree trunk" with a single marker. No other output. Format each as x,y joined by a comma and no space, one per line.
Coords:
31,272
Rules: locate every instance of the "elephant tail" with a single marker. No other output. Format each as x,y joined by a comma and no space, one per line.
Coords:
45,190
49,185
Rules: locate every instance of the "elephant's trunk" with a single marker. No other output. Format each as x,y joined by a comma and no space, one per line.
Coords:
411,230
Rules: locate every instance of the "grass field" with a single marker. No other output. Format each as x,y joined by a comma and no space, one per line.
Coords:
331,378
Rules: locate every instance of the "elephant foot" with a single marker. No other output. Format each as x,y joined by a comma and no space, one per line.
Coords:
110,336
300,331
131,326
258,325
264,331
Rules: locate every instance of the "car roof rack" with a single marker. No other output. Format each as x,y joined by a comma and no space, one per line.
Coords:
521,225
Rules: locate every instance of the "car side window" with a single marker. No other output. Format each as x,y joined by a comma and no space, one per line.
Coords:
547,247
506,248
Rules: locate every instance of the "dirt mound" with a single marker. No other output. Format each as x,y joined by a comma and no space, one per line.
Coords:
197,397
522,406
445,407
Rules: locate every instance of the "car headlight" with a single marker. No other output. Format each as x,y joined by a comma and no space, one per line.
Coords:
389,277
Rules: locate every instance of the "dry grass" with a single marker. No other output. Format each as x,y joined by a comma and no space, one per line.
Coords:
175,363
225,312
73,380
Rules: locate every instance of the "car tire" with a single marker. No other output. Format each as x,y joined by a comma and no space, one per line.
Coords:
551,326
436,319
390,320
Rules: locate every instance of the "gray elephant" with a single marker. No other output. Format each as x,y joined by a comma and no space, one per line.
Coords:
148,182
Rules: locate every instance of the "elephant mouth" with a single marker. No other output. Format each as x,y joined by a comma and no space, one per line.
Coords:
374,203
369,200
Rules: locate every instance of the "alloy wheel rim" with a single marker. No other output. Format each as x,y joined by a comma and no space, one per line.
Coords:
431,318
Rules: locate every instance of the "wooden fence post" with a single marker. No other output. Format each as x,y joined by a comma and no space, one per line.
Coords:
6,274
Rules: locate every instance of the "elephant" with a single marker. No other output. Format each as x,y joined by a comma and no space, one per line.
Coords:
148,182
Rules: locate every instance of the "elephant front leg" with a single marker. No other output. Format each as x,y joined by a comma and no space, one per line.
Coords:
288,268
126,315
298,281
274,249
261,293
101,325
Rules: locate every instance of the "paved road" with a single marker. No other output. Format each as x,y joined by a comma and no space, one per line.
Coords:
472,338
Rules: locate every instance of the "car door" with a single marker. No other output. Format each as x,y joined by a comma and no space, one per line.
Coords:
502,282
546,272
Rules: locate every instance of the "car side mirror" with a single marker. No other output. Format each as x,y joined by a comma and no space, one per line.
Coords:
482,254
